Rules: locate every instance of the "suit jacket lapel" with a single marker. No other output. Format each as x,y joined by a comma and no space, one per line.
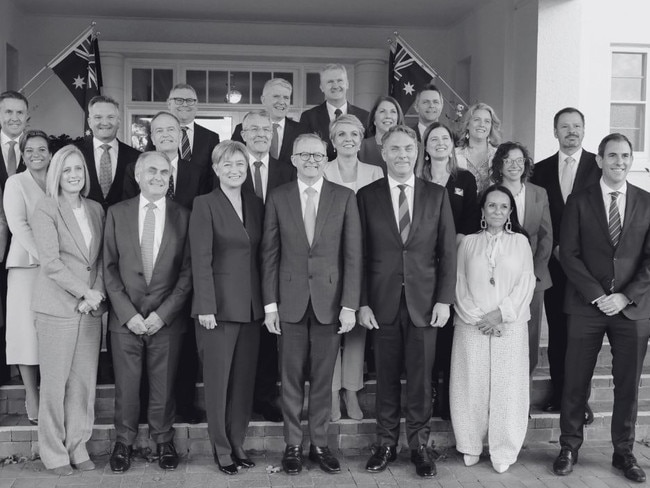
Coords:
95,221
170,215
631,201
133,214
324,122
324,204
418,207
596,197
293,200
92,169
386,202
581,179
529,207
70,221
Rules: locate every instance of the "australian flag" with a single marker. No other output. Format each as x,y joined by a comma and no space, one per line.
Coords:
406,75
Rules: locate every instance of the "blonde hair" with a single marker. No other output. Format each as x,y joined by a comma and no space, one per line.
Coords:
53,180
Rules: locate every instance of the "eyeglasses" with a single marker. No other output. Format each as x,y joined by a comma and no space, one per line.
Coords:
516,161
263,130
187,101
305,156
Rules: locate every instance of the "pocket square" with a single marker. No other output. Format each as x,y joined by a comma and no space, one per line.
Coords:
459,191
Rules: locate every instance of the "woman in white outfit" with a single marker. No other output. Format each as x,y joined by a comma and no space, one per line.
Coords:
489,361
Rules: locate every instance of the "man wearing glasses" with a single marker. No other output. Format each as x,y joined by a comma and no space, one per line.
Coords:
311,282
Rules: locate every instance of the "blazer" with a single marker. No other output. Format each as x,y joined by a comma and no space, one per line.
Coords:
225,258
593,265
22,193
537,222
546,176
317,120
190,182
291,131
329,272
279,174
370,153
424,267
68,268
170,287
366,174
461,190
4,232
3,170
125,155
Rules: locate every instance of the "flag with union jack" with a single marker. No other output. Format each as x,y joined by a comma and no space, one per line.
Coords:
406,74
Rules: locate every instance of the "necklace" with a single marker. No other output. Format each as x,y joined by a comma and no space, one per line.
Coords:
491,253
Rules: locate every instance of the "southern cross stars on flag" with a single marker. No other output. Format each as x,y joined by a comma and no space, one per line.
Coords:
406,75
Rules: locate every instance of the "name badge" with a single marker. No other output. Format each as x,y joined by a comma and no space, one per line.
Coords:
459,192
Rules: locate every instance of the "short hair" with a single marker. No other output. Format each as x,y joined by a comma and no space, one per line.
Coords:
103,99
399,129
496,172
142,158
164,112
617,137
276,82
260,113
346,119
228,149
53,179
333,67
33,134
13,95
567,110
308,137
182,86
494,137
517,228
372,129
427,87
423,166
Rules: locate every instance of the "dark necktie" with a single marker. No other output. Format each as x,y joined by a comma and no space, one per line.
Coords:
186,149
275,149
404,214
337,113
146,245
170,190
257,179
105,170
614,219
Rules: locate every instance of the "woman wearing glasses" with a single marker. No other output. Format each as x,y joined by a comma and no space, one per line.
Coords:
512,167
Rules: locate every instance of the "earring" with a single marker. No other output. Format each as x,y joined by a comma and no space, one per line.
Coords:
508,225
483,222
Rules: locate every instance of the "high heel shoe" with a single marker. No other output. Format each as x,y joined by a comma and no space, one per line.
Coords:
32,420
352,405
335,413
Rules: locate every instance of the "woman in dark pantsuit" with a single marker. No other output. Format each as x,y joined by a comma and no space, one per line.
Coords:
225,231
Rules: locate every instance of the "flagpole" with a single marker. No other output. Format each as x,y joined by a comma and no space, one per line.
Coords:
56,58
40,86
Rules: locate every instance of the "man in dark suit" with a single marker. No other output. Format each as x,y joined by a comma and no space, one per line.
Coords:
409,283
605,252
428,105
264,174
276,98
148,277
106,157
311,281
334,85
13,117
570,169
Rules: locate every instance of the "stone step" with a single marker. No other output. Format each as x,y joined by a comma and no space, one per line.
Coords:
604,356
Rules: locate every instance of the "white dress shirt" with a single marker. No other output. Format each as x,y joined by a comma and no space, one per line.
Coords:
331,109
190,135
159,214
394,193
421,129
620,199
264,172
84,225
113,152
562,162
4,142
281,125
520,202
174,168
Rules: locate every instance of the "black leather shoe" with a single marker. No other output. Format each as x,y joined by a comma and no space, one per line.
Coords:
241,459
269,411
563,464
167,456
292,459
551,407
627,463
191,415
229,469
380,459
589,415
121,458
325,459
424,466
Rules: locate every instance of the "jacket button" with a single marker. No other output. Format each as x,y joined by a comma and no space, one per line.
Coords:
88,268
310,277
140,274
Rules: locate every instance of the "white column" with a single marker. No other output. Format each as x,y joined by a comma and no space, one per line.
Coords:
370,81
113,78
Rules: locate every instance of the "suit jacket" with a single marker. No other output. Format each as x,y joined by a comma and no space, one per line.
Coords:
546,176
279,174
68,268
170,287
593,265
125,155
225,257
4,233
190,183
317,120
424,267
366,174
329,272
22,194
537,222
3,169
291,131
461,190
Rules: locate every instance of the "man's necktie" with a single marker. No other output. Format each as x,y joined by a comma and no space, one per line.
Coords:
186,149
337,113
257,180
275,149
614,219
310,214
404,214
170,190
11,158
146,245
566,181
105,170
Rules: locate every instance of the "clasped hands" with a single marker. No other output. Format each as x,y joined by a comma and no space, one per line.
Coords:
490,323
347,319
149,326
90,301
612,304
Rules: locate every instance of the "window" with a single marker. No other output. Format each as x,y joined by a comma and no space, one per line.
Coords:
628,109
151,85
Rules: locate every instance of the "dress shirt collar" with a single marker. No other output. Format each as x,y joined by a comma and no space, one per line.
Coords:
281,123
174,163
392,183
607,190
422,128
576,155
190,128
318,186
331,109
252,159
160,204
4,139
97,144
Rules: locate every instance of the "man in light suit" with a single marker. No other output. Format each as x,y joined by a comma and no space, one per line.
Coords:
605,252
276,98
148,279
311,280
570,169
428,105
334,85
107,157
409,284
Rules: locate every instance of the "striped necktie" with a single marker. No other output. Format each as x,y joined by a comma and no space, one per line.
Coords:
275,149
186,149
146,244
257,180
404,214
105,170
614,219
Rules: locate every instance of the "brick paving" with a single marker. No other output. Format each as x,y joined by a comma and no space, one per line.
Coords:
533,470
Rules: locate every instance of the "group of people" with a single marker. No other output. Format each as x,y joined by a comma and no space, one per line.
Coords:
286,244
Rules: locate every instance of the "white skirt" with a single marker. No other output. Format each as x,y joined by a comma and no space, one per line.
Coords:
22,345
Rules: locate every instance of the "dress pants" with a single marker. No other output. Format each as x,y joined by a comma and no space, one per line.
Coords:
229,356
188,369
309,346
400,344
534,326
157,356
442,362
267,375
68,350
557,328
629,342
